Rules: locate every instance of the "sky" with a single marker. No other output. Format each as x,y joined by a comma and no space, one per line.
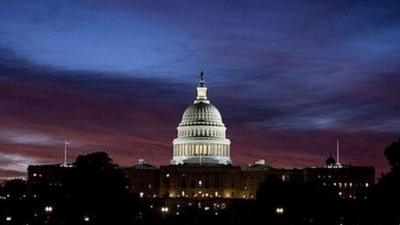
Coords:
289,77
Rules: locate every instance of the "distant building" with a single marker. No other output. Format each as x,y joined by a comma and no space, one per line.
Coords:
350,182
48,177
201,167
144,179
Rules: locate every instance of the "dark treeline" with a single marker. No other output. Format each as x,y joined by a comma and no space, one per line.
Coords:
308,204
95,189
96,192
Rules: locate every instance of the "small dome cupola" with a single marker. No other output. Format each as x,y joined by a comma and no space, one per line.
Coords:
330,161
201,91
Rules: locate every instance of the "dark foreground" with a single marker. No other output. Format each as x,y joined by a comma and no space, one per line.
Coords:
97,193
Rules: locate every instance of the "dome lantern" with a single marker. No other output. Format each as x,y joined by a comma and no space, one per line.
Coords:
201,91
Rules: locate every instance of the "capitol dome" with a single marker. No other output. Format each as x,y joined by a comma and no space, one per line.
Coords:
201,114
201,135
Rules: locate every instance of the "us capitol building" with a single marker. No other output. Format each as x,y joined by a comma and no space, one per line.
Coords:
201,167
201,133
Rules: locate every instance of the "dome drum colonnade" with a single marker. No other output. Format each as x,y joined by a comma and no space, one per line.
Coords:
201,133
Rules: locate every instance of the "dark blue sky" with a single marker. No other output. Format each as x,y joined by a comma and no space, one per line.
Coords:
288,76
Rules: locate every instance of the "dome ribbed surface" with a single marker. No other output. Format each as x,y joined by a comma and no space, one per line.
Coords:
202,114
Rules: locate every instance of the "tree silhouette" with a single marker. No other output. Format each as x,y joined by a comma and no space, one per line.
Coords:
386,193
301,203
96,160
99,188
14,188
392,154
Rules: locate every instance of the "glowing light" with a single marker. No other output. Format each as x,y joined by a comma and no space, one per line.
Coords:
48,209
223,205
279,210
8,218
164,209
86,218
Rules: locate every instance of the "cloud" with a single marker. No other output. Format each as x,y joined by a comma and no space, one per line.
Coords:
288,77
15,165
18,137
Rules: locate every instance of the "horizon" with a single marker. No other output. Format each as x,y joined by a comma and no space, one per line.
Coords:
289,78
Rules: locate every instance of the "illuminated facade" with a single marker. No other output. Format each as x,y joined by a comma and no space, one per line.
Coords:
197,181
203,181
201,135
201,166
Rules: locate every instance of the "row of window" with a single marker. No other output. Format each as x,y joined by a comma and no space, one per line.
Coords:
336,177
346,185
201,149
201,132
216,194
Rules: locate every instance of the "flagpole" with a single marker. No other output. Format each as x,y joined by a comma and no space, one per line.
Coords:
65,152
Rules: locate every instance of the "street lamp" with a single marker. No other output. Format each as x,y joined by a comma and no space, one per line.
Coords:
48,209
86,218
279,210
164,209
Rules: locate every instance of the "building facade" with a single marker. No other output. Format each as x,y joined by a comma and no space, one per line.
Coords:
201,135
350,182
201,166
